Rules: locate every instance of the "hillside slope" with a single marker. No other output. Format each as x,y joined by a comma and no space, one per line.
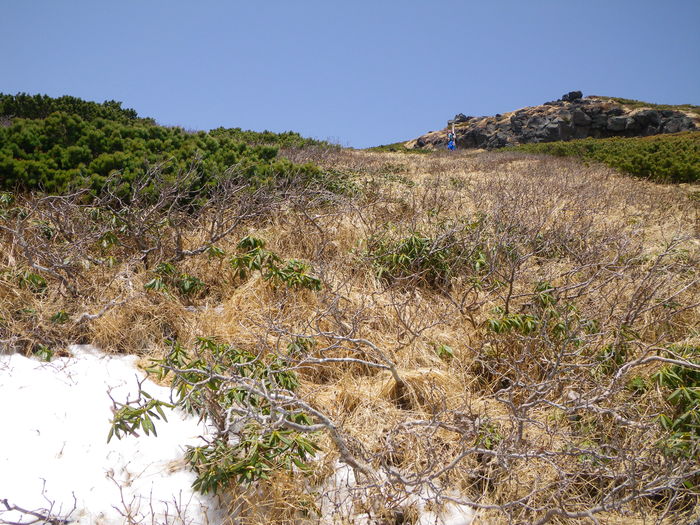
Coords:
572,117
510,334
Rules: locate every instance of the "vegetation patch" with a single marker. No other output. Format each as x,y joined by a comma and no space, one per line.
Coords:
663,158
63,145
237,391
635,104
398,147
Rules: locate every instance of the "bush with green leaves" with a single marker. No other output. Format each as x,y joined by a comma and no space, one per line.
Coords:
23,105
286,139
412,257
248,399
66,145
454,249
546,316
254,257
681,387
664,158
167,276
638,104
398,147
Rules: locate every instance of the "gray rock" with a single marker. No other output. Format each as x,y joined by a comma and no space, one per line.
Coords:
647,117
616,123
516,124
572,96
581,132
632,125
580,118
674,125
571,118
599,121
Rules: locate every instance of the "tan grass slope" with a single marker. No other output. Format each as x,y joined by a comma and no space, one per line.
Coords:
503,358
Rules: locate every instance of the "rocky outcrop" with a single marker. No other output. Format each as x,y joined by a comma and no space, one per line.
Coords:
571,117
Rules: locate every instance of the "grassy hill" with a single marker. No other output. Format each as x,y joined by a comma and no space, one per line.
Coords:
511,334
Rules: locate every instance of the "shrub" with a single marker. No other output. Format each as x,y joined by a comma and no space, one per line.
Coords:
64,145
682,386
412,256
255,258
242,395
665,158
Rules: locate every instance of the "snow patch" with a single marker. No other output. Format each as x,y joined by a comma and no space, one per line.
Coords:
54,452
341,493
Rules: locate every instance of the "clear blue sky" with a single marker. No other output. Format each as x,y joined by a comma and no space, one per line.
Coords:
361,73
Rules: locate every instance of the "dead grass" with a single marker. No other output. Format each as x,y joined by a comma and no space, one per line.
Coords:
501,412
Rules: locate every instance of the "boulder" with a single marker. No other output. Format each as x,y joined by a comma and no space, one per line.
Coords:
677,124
647,117
499,140
516,123
632,126
572,96
599,121
617,123
581,132
580,118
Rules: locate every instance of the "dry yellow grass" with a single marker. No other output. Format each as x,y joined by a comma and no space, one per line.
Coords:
595,235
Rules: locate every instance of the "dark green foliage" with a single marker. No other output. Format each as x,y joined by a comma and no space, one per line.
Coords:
32,282
257,451
217,381
167,276
664,158
23,105
253,257
682,387
414,255
97,146
287,139
129,417
60,317
43,352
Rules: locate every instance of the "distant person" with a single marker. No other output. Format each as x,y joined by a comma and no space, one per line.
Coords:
451,141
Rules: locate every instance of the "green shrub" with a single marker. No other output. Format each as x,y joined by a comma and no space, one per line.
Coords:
664,158
67,144
682,386
253,257
398,147
167,276
413,256
635,104
32,282
24,105
220,381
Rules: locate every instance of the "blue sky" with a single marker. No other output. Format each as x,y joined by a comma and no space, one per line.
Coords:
360,73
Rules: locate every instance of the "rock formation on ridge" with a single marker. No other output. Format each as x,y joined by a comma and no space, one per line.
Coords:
571,117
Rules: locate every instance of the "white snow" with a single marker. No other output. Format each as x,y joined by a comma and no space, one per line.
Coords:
54,421
340,494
